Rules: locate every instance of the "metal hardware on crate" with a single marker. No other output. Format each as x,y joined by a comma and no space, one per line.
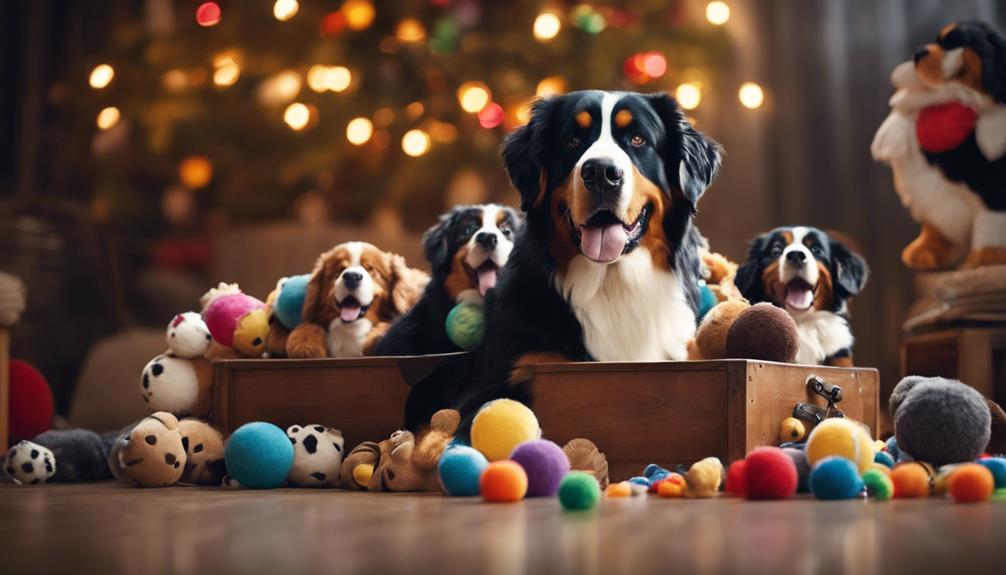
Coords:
815,413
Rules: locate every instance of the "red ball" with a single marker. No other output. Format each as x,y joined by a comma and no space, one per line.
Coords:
771,474
943,127
737,478
31,403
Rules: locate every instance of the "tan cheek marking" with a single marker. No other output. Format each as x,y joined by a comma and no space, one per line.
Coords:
561,247
971,71
655,240
460,278
788,236
500,218
947,29
773,288
824,298
583,119
930,68
623,118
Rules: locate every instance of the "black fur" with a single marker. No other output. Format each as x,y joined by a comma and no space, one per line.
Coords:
989,45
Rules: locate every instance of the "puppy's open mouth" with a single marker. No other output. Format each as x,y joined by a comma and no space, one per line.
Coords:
484,276
350,309
604,237
799,295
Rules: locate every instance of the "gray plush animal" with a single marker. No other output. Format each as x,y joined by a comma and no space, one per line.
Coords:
940,420
66,455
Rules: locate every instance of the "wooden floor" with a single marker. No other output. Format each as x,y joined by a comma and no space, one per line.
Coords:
108,528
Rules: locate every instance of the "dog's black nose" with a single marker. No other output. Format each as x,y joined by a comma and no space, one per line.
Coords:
920,54
796,257
601,175
486,239
352,279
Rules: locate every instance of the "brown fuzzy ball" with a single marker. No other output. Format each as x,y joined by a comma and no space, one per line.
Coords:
711,337
763,332
997,442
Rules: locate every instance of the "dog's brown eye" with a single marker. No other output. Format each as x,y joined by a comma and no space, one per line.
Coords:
505,230
573,141
637,141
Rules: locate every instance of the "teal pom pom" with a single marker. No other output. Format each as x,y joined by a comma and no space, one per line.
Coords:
466,325
836,478
884,458
707,299
290,300
997,465
579,491
259,455
460,468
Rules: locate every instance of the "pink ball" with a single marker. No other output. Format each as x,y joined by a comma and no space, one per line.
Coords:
545,464
770,473
222,315
737,481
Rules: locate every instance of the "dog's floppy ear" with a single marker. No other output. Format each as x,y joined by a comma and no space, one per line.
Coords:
435,241
994,64
407,284
316,291
849,269
692,162
523,151
748,279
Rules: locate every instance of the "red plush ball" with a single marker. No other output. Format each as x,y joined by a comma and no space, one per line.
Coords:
737,478
944,127
770,473
31,404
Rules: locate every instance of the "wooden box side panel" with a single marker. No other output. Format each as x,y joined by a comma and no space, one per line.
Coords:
636,413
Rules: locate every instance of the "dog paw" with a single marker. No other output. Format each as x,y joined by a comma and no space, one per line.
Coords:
307,341
929,251
987,256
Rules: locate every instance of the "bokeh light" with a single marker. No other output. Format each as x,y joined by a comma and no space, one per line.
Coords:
717,12
473,96
108,117
297,116
491,115
654,64
689,96
101,76
208,14
415,142
359,130
226,70
195,172
550,86
359,13
546,26
410,31
283,10
751,95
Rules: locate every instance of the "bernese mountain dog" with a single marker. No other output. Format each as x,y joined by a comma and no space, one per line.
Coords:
812,276
466,249
607,267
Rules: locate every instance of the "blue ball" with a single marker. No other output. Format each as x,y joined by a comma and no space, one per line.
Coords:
884,458
836,478
892,448
290,300
655,473
639,480
997,465
460,468
707,300
259,455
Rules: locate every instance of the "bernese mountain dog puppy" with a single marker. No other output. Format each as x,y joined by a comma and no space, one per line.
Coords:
812,276
355,292
607,266
466,249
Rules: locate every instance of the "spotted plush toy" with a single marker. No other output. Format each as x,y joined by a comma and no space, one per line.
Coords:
179,386
317,455
204,451
152,453
66,455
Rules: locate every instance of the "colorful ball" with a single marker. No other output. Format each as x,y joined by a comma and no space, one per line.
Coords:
290,300
545,464
466,325
971,483
911,480
884,458
878,484
579,491
791,429
31,403
502,425
997,465
770,474
836,478
460,470
621,489
503,481
223,313
737,478
799,458
841,437
670,489
259,455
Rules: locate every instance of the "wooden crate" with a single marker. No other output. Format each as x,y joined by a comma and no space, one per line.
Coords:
637,413
974,355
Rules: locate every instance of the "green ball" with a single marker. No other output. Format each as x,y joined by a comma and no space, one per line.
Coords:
878,484
466,325
579,491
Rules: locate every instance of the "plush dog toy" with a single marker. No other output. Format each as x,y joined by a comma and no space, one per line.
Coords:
317,455
151,454
67,455
204,452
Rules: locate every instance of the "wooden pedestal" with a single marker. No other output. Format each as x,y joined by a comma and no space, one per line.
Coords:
976,356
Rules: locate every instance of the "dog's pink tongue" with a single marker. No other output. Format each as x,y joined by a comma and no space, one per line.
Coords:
487,279
603,243
349,312
799,295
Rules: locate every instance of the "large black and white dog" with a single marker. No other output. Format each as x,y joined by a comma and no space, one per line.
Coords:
466,249
812,276
607,266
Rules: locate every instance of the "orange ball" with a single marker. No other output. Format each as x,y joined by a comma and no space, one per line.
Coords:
910,480
503,481
670,489
971,482
622,489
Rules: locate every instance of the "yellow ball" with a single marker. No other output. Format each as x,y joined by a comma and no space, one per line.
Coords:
362,474
791,429
502,425
841,437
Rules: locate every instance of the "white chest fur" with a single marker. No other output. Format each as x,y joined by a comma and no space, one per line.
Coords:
346,339
822,334
629,310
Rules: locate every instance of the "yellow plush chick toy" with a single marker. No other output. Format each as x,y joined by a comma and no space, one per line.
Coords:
251,332
704,478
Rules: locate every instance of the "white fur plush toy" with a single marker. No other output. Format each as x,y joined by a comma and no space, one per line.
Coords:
187,336
317,455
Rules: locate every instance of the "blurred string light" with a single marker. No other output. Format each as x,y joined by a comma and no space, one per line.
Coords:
689,96
279,88
108,118
644,67
550,86
208,14
751,95
717,12
101,76
359,13
297,116
226,70
323,78
410,31
415,142
588,19
283,10
491,115
359,130
522,113
415,110
332,24
546,26
473,96
442,132
195,172
383,117
175,80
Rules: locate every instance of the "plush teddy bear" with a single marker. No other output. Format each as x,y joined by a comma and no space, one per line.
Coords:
317,455
151,454
66,455
235,319
177,385
204,452
358,467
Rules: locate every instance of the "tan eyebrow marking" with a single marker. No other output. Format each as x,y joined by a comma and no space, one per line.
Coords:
584,119
623,118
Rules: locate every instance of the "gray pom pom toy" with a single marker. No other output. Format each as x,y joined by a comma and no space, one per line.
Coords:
940,421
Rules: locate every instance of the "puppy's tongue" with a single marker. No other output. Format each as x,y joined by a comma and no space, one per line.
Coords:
487,278
603,243
349,312
799,295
